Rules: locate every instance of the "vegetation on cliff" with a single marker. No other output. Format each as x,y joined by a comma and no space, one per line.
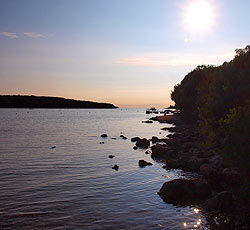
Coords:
218,98
17,101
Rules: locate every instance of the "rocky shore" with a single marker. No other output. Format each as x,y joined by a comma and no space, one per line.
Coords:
215,187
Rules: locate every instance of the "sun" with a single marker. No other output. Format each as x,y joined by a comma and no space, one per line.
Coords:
198,16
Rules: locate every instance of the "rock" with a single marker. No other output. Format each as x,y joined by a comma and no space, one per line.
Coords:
115,167
143,163
53,147
143,143
212,174
148,152
170,135
162,152
221,201
101,142
123,137
111,156
184,191
113,138
104,135
148,121
193,163
155,139
135,147
231,177
134,139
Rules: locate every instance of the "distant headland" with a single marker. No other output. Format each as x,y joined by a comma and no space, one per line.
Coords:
24,101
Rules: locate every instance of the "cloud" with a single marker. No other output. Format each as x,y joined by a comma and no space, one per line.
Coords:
34,35
174,59
9,34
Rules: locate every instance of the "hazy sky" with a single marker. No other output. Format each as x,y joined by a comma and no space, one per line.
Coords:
127,52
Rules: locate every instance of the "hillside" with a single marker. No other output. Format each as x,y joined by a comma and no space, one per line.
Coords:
20,101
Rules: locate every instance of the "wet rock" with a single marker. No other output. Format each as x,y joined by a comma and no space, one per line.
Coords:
134,139
221,201
135,147
115,167
111,156
155,139
104,135
143,143
123,137
161,152
143,163
147,121
184,191
148,152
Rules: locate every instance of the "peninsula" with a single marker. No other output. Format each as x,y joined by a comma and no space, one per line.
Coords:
24,101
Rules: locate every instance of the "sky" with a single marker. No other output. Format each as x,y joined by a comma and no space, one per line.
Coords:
127,52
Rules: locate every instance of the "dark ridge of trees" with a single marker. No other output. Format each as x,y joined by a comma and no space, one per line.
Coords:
218,97
19,101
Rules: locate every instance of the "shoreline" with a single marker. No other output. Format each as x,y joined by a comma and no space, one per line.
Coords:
215,189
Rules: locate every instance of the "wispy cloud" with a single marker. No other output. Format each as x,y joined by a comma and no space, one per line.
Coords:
34,35
174,59
9,34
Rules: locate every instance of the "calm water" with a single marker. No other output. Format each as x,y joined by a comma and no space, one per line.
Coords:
73,186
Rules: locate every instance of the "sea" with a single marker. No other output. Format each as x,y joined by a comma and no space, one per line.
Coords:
55,172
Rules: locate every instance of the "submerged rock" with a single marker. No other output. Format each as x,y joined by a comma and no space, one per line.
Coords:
143,163
143,143
104,135
115,167
184,191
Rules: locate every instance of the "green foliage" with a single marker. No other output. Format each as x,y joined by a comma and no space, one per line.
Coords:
235,129
218,97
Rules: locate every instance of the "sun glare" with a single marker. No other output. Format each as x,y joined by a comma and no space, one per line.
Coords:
198,16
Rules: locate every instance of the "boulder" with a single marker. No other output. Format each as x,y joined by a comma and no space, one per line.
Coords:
143,163
115,167
184,191
143,143
221,201
134,139
104,135
162,152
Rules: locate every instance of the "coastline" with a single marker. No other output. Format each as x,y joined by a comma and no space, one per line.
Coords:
215,189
